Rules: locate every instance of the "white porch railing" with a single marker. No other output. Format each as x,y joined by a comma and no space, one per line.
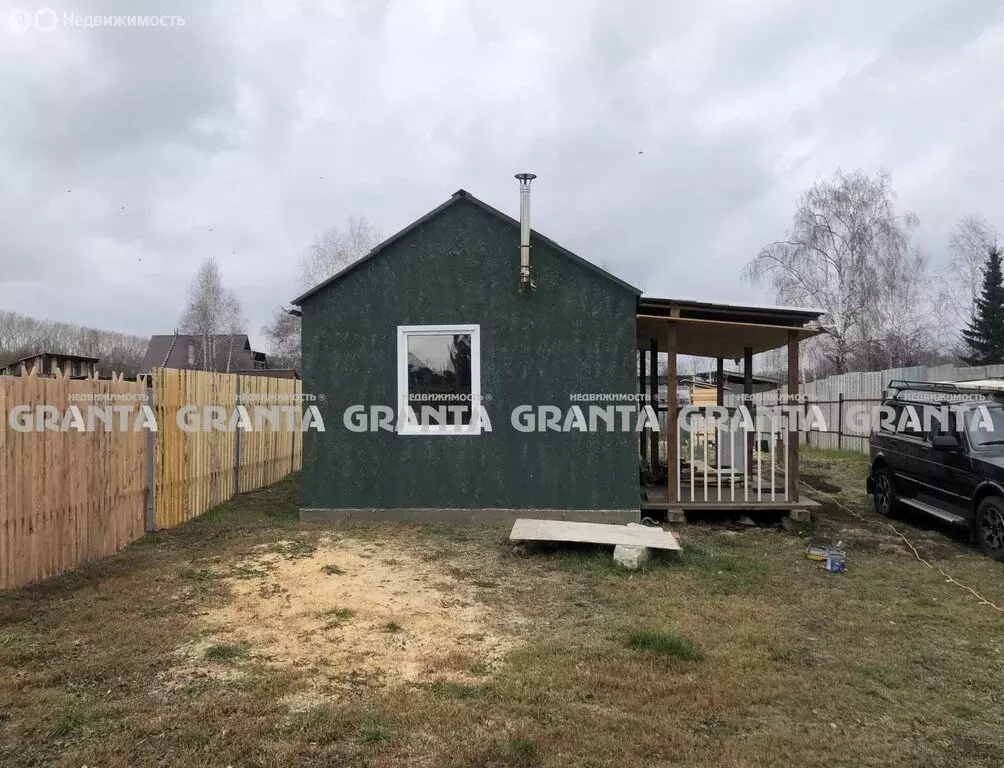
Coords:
711,454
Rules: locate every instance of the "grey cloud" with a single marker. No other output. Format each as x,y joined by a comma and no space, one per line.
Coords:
251,128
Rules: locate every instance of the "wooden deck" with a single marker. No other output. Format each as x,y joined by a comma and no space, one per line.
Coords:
654,497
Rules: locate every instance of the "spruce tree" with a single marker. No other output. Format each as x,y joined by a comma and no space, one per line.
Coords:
984,337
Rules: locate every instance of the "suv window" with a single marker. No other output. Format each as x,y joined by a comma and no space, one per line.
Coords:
889,417
912,423
905,419
983,431
951,428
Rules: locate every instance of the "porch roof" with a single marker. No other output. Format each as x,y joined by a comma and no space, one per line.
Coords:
709,329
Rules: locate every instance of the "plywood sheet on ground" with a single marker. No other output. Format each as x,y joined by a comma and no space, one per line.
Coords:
592,533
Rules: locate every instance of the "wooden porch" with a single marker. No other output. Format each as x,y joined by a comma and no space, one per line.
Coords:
721,331
654,498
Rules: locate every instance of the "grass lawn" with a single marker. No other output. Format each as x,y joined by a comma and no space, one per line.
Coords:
246,638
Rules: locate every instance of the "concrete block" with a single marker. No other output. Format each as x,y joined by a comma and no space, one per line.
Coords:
631,557
676,515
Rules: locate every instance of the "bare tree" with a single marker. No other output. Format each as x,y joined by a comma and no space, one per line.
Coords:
843,234
970,240
212,310
899,329
773,364
336,248
331,251
22,335
282,334
234,322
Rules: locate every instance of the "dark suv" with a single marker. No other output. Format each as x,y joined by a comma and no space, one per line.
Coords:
939,448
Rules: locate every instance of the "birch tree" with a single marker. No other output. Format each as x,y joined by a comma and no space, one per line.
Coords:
282,336
212,311
336,248
970,241
899,330
844,235
234,323
330,252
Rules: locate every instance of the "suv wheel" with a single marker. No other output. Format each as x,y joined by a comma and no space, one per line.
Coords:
884,492
990,527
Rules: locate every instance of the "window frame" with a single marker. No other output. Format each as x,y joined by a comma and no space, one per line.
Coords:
404,426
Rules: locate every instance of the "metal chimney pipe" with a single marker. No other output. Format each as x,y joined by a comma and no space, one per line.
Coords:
525,283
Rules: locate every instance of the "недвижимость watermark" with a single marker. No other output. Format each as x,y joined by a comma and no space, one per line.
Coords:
46,20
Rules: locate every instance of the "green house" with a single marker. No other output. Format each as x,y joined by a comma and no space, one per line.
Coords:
462,376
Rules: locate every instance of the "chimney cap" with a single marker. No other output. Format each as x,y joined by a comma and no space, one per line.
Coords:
527,177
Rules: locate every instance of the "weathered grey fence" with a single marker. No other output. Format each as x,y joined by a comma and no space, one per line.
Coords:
847,401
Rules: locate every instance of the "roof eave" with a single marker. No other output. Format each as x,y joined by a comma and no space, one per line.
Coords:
764,312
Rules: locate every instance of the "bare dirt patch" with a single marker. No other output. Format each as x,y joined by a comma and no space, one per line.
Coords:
348,613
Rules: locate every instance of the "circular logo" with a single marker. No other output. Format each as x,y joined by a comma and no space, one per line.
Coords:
45,20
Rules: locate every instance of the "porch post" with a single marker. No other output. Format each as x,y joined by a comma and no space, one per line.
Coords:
748,392
642,439
672,457
719,401
793,400
720,381
653,396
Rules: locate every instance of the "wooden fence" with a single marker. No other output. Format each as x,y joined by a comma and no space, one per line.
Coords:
197,466
66,496
274,448
71,492
193,467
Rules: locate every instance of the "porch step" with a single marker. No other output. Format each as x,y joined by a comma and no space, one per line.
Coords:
948,517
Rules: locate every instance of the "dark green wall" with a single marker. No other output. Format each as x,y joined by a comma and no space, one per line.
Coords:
575,334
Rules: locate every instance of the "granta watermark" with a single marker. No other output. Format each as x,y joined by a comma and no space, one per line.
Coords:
188,418
130,415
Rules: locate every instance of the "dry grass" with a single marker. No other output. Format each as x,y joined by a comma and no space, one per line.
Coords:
740,652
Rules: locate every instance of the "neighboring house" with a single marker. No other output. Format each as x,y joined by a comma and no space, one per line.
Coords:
457,309
692,392
229,353
47,363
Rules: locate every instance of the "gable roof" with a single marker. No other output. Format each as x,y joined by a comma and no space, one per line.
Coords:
456,197
171,351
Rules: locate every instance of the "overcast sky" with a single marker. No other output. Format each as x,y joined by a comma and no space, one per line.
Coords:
671,139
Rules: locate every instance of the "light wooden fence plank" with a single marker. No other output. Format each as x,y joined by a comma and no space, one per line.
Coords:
195,470
65,496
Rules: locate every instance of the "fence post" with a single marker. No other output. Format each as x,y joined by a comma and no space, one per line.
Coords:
237,442
151,522
292,432
840,421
